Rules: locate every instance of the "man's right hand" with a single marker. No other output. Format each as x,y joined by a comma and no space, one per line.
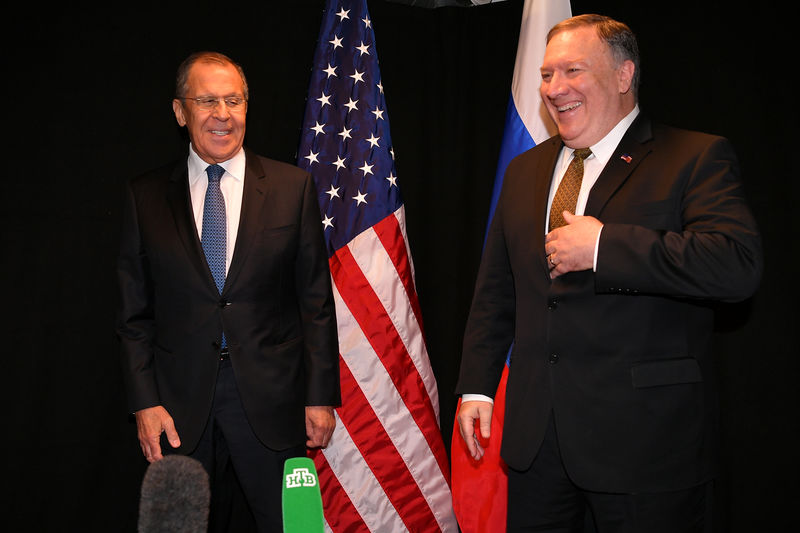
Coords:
150,423
468,414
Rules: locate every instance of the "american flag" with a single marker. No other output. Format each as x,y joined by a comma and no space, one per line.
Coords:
386,468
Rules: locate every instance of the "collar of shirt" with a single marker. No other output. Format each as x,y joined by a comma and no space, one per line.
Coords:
592,165
234,166
603,149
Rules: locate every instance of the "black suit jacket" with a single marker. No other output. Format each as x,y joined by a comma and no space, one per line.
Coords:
276,307
621,356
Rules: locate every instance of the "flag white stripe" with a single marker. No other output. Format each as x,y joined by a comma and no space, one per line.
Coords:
359,483
400,215
380,271
386,401
537,19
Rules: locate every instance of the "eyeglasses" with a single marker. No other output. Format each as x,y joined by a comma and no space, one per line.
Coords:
211,102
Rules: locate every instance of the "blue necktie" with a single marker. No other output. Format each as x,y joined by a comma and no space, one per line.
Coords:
214,239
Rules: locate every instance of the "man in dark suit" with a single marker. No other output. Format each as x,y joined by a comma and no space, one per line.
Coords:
606,293
227,321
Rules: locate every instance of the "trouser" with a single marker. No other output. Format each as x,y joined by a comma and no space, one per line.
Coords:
229,440
543,498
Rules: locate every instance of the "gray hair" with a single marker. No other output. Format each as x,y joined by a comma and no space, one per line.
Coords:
182,77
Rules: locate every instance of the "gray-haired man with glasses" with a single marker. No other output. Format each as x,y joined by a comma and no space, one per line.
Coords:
226,318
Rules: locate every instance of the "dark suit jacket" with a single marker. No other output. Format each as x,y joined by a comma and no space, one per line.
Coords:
620,356
276,307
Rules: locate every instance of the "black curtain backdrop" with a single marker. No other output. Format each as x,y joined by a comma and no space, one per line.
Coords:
91,107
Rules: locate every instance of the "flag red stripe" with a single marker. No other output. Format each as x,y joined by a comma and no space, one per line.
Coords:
346,518
381,456
391,236
379,330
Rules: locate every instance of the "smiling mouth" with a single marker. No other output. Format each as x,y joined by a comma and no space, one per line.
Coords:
569,107
220,132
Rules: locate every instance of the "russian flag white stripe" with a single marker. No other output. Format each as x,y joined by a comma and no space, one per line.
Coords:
537,19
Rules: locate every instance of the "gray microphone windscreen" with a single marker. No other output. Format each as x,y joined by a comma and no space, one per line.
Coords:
175,496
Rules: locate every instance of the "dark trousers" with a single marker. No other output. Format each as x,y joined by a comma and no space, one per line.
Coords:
229,441
543,498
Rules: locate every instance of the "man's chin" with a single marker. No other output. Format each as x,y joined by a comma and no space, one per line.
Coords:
218,152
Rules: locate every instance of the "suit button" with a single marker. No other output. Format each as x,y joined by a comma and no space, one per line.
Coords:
553,358
552,303
223,303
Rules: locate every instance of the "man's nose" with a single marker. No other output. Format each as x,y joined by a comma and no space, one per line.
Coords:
555,86
221,110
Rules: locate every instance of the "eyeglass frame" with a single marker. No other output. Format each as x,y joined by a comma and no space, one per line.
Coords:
198,100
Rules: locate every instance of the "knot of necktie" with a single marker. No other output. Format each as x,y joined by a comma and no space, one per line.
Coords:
215,172
582,153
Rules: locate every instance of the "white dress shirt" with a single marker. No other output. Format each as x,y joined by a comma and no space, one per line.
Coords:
232,186
592,167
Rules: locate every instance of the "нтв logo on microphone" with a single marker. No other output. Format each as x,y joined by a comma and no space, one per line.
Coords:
300,477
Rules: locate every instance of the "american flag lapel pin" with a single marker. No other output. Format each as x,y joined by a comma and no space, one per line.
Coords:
626,157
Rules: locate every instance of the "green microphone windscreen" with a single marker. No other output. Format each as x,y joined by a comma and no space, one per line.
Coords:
301,498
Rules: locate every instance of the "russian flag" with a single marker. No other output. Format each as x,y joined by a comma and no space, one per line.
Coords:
480,488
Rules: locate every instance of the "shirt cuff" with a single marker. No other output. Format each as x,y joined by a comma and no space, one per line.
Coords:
476,398
596,248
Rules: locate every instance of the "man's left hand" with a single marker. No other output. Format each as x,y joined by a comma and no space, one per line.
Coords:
320,423
571,248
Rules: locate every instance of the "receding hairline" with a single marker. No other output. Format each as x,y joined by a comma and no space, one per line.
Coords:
590,20
208,57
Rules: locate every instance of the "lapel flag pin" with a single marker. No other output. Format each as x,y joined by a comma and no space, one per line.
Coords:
626,157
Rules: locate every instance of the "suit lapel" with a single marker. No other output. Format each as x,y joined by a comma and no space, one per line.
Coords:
253,196
543,176
180,203
632,149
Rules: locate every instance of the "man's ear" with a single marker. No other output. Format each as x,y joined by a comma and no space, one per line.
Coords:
625,76
177,107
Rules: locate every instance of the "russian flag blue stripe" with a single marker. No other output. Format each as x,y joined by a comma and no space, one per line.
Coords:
516,140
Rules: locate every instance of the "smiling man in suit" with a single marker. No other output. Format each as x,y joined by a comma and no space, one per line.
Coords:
609,244
227,322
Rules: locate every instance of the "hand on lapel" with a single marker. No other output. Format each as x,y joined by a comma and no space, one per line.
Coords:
571,247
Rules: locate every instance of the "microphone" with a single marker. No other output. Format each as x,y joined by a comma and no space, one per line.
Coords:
301,498
175,496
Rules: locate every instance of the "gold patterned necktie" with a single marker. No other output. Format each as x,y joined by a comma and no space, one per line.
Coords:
566,197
